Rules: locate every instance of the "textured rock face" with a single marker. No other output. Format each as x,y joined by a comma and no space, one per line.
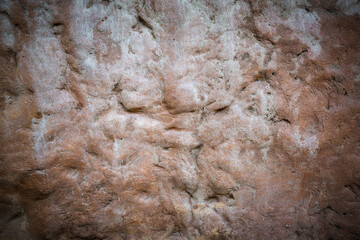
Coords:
180,119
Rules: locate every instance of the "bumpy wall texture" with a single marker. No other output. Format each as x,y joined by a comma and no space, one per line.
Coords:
180,119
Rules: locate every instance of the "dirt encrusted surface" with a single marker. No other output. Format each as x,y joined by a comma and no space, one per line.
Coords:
179,119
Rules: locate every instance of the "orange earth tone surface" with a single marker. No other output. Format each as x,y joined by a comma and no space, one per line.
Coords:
179,119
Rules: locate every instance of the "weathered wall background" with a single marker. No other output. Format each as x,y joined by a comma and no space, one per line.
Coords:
180,119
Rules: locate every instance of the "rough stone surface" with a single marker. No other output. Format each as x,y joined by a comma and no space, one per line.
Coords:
179,119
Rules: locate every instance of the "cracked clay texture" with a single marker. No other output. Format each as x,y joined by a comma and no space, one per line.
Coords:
179,119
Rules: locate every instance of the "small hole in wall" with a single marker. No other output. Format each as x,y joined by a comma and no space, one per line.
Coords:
105,2
245,56
30,90
79,106
251,109
115,87
298,79
38,115
57,24
51,138
231,196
